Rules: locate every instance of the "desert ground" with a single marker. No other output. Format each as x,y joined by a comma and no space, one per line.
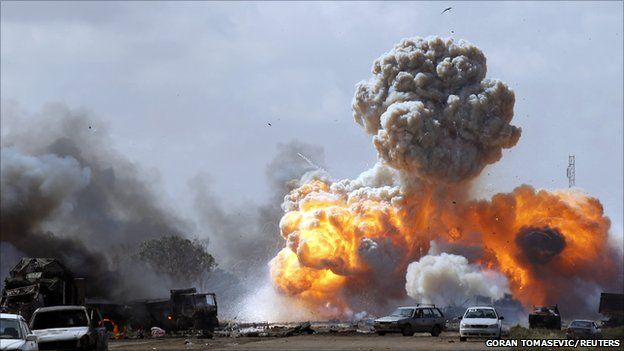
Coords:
350,341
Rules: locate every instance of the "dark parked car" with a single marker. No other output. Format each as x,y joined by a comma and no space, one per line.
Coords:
413,319
69,328
583,329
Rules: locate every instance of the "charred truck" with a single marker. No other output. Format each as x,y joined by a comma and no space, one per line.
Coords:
40,282
612,306
547,317
185,309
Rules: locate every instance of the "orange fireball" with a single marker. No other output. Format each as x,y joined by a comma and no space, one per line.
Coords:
341,245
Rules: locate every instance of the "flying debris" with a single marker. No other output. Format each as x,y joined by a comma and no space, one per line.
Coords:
269,124
310,162
446,9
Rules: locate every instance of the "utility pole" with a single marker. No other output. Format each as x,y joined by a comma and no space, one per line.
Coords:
571,171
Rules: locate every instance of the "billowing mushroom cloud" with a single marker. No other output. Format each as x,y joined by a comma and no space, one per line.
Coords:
433,113
436,123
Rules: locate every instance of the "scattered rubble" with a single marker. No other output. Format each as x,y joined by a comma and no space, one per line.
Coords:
157,332
265,329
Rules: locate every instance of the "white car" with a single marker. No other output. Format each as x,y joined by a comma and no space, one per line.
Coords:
480,322
15,334
69,328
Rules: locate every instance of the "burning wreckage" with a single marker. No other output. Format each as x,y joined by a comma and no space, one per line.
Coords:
185,309
547,317
40,282
45,282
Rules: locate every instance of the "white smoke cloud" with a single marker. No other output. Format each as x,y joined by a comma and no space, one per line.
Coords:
450,279
431,111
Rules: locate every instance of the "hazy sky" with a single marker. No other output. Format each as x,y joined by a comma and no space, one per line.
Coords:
188,88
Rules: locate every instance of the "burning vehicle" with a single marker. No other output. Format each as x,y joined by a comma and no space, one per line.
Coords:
69,328
39,282
545,317
410,320
185,309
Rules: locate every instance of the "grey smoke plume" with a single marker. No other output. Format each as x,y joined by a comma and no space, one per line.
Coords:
9,256
433,113
447,279
243,236
66,193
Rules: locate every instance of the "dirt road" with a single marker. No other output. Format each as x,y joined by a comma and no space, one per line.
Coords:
352,341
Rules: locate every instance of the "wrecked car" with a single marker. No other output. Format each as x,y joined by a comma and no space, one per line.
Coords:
545,317
69,328
412,319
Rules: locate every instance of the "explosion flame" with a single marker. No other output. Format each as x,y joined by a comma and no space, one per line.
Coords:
436,123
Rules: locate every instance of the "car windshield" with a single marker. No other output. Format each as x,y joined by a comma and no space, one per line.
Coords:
9,329
60,319
581,324
480,313
403,312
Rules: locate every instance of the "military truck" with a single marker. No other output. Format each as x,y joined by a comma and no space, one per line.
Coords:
40,282
184,310
547,317
612,306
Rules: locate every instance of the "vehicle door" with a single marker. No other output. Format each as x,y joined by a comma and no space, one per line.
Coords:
417,320
596,332
439,317
99,330
428,320
30,345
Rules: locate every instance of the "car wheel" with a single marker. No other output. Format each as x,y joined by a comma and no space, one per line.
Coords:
381,333
406,330
462,338
435,331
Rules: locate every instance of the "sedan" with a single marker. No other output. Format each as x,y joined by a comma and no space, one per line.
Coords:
583,329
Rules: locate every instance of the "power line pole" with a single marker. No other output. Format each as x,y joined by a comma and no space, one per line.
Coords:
571,171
